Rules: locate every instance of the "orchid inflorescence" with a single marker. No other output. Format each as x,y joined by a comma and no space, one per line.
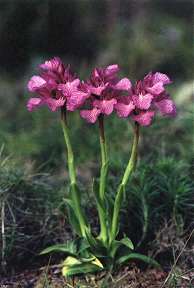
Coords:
101,95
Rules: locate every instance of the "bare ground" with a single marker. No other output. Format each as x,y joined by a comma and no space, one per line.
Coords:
129,277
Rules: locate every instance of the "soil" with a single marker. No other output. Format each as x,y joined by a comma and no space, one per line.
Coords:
129,277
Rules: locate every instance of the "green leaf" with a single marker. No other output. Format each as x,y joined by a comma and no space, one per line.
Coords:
110,206
91,240
79,221
82,245
114,247
127,242
96,245
74,266
117,206
68,248
69,202
117,244
71,261
72,216
100,204
102,212
97,262
137,256
83,268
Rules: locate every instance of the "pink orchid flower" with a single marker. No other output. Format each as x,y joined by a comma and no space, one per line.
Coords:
124,106
146,96
105,88
56,86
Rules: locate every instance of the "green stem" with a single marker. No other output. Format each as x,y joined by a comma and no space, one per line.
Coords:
72,175
119,196
103,178
104,159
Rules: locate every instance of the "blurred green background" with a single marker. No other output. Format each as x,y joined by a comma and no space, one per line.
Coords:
140,36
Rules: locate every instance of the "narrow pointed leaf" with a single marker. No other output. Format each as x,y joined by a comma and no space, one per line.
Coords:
116,245
65,248
71,261
97,246
97,263
74,266
83,268
137,256
82,245
127,242
102,213
72,216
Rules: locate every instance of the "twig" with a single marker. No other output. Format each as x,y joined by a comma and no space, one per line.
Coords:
123,277
46,273
69,285
176,260
3,261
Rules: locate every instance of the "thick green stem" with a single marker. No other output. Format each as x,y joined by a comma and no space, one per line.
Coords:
103,178
72,175
119,196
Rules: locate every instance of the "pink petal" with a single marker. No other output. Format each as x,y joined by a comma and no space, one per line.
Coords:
97,90
105,106
166,107
90,115
142,101
144,118
54,104
76,100
95,73
160,77
123,84
69,88
33,103
75,82
124,99
124,110
156,89
54,64
111,70
35,83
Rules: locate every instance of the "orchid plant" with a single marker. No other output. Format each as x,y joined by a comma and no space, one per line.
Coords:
96,98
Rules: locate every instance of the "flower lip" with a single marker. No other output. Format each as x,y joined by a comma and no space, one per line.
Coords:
35,83
90,116
33,103
144,118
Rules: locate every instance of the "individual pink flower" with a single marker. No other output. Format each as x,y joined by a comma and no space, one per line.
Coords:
33,103
55,87
154,82
148,95
53,65
75,97
166,106
124,106
144,118
90,115
105,88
